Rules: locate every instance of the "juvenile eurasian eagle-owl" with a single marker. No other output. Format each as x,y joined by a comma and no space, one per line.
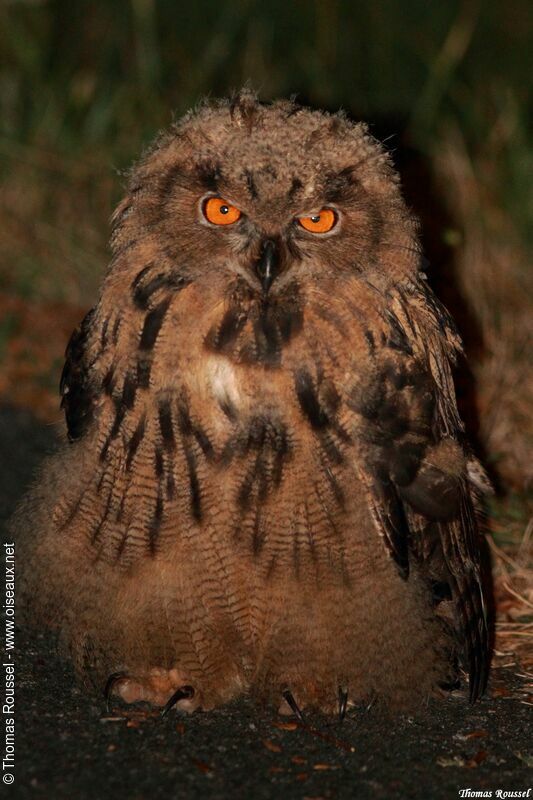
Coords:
266,487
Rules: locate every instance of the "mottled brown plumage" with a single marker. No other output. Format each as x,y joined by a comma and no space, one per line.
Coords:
266,487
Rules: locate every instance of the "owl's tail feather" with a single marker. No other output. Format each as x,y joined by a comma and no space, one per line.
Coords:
473,632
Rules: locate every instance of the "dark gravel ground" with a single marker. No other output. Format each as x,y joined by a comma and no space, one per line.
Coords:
67,748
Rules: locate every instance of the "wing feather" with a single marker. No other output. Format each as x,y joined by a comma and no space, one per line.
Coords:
415,468
77,397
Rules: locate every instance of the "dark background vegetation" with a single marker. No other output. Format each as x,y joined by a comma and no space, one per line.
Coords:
86,84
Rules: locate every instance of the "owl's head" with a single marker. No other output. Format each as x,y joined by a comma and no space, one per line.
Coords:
268,203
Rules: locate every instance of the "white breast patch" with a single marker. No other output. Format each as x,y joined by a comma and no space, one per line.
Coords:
224,381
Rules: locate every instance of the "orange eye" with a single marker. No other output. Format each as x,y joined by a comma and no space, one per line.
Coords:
322,222
220,212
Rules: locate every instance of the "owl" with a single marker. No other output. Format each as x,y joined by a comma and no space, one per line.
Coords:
264,488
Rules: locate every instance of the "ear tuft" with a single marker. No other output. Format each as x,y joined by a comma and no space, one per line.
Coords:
245,109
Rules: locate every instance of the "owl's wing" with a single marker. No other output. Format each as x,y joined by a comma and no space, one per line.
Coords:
77,398
415,465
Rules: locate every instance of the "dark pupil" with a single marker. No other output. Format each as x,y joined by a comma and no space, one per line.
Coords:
224,209
315,219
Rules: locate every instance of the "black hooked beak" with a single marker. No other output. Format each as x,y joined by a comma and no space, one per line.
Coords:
267,265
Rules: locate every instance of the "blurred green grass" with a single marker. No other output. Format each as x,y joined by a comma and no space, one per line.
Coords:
84,85
92,72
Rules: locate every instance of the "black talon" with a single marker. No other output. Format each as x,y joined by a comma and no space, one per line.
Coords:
343,703
113,678
184,692
295,708
371,703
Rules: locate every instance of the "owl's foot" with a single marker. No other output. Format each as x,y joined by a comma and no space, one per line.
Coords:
159,687
289,705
